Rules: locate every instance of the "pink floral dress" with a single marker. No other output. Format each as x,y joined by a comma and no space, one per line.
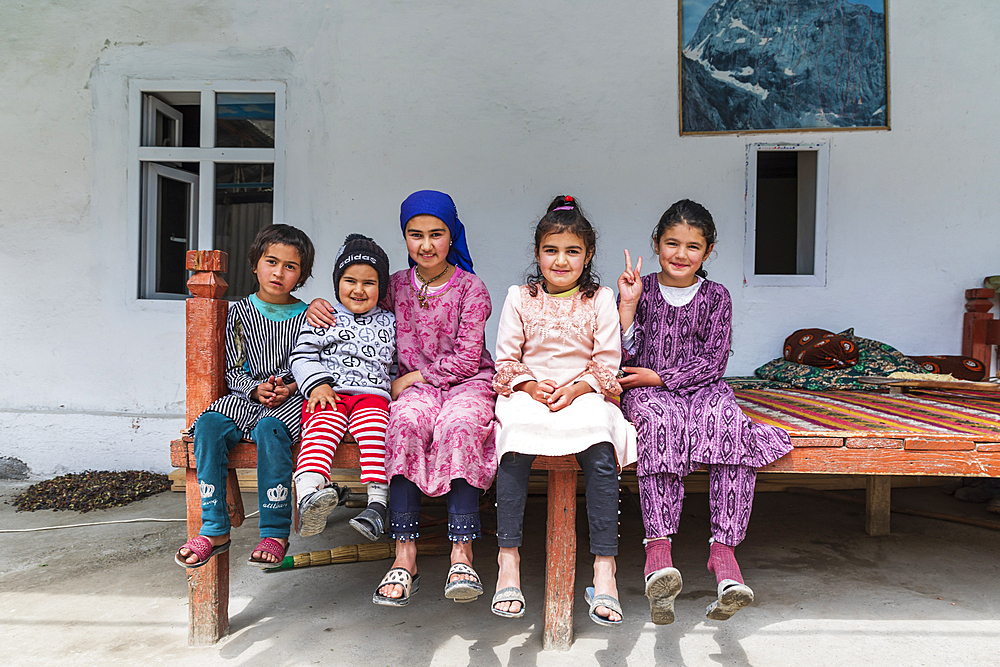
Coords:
442,429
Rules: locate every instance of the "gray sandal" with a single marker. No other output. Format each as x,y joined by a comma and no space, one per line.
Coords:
603,600
401,576
370,522
463,590
733,596
662,588
509,594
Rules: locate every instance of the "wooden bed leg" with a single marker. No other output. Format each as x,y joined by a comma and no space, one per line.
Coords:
877,501
208,586
560,560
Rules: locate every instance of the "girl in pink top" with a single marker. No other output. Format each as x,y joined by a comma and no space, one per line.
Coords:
558,351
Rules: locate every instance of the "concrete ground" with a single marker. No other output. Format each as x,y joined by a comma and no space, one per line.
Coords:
827,594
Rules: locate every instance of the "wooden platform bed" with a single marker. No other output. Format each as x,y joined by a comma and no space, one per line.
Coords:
933,432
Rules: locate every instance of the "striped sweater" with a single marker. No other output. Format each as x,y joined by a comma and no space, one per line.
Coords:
257,347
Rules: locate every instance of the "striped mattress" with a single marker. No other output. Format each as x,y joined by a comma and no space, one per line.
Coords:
932,413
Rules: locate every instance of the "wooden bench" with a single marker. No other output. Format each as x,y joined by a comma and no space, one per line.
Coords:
878,454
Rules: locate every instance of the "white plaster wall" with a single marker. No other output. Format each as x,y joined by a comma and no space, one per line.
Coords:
501,105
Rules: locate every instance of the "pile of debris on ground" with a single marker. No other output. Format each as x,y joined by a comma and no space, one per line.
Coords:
91,490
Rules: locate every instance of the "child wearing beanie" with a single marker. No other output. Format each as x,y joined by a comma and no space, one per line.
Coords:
345,371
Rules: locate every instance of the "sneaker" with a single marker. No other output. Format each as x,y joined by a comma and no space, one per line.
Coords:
316,507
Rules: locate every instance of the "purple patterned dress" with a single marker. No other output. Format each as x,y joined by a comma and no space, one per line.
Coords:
442,429
694,418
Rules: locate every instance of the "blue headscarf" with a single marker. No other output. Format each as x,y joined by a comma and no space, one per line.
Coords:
441,206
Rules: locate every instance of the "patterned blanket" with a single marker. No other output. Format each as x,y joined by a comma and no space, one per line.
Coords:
934,413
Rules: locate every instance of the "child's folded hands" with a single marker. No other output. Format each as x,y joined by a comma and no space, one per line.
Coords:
557,398
272,392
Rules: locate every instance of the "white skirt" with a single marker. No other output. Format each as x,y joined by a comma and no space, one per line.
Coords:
526,426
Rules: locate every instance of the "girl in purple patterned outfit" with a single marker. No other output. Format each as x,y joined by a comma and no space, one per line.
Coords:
439,440
676,341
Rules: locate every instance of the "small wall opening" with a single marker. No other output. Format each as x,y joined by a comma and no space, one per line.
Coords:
786,202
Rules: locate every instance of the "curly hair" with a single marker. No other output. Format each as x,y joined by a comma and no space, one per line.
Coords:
564,216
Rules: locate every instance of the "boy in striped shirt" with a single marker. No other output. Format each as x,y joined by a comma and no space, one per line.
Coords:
263,403
345,371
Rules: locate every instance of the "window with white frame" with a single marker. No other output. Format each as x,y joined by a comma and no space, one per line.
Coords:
208,167
786,200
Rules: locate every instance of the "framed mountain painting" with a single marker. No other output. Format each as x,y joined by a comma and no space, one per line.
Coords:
767,66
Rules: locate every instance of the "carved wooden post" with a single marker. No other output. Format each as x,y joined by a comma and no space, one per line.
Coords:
560,560
208,586
976,339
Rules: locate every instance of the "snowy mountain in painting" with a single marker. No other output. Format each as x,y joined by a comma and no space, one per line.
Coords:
768,65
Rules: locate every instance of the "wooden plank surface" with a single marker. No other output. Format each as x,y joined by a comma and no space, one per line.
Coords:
873,443
936,444
696,482
888,462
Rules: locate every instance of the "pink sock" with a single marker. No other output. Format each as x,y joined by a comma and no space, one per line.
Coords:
722,562
657,556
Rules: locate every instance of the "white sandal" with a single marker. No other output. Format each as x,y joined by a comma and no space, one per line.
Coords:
509,594
463,590
402,577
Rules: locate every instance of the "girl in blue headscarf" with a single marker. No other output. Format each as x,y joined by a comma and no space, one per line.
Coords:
440,435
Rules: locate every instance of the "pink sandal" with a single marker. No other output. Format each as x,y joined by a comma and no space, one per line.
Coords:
271,546
202,548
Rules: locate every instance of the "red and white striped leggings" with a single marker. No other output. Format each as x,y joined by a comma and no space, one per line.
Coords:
365,415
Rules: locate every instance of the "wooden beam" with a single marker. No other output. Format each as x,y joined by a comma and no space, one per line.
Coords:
877,504
560,560
843,461
208,586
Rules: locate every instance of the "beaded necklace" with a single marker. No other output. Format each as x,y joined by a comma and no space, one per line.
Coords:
421,294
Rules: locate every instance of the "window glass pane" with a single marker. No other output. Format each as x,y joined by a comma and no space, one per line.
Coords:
777,213
244,120
172,206
171,119
192,125
244,203
166,131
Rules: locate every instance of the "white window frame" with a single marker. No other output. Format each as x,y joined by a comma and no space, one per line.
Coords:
206,155
154,172
153,106
818,277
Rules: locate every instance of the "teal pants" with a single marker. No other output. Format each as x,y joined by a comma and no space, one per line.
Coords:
215,434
